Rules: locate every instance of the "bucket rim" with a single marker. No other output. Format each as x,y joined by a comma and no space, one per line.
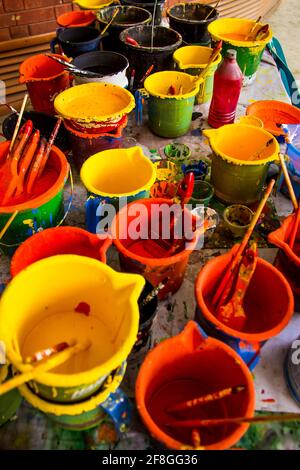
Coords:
73,409
148,48
245,44
143,260
183,96
47,195
111,153
274,157
123,7
188,21
59,102
240,335
88,17
94,54
276,239
135,281
35,79
85,5
184,66
158,433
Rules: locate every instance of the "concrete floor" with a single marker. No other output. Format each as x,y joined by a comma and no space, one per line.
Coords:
285,23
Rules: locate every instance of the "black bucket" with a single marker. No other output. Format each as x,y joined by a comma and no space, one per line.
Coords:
141,57
148,5
128,16
188,20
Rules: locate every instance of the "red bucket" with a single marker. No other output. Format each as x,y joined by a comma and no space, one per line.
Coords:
73,19
45,79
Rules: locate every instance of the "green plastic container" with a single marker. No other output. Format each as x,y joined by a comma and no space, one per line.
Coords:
9,402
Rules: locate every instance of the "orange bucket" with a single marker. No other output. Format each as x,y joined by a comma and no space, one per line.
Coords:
185,367
268,304
147,256
73,19
288,260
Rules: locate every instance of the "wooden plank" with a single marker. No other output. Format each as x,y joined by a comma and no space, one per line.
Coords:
26,42
9,75
10,68
15,89
27,50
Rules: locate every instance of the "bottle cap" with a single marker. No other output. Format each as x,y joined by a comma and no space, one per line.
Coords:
231,54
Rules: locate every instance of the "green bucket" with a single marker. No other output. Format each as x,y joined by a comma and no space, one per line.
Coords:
44,210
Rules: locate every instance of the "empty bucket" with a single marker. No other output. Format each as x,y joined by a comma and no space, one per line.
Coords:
268,304
141,57
189,20
44,79
233,31
192,60
127,16
188,366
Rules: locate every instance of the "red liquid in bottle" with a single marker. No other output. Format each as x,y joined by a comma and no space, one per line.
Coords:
228,82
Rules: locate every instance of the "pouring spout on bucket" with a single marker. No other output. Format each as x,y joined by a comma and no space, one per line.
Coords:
211,134
191,338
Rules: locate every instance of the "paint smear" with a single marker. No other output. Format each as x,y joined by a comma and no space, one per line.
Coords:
83,308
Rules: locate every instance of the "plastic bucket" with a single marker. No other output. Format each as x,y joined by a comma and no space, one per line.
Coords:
288,260
268,304
44,208
9,402
110,66
44,79
232,31
59,241
115,176
237,176
64,298
73,19
141,57
88,413
192,60
85,144
148,256
170,115
148,5
127,17
189,21
77,41
184,367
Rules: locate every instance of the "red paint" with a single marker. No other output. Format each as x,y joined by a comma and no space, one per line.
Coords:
83,308
269,400
228,81
185,367
59,241
45,79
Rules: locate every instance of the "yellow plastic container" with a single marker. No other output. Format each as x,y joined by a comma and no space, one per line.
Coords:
93,4
192,60
67,297
94,102
237,174
233,33
251,121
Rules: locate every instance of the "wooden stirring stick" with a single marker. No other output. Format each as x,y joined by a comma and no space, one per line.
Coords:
44,366
197,423
238,256
186,405
211,11
8,223
18,124
110,22
253,28
288,181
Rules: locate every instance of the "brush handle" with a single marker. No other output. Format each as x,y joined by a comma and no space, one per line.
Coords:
242,246
8,223
253,28
48,364
110,22
288,181
18,124
211,11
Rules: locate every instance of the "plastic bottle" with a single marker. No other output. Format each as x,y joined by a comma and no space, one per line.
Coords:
228,82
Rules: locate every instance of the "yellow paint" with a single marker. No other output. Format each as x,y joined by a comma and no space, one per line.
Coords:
93,4
77,408
158,85
36,311
237,143
234,31
118,172
192,57
94,102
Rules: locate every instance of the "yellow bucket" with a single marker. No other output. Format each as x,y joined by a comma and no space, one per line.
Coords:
233,33
92,4
67,297
192,60
251,121
240,161
94,102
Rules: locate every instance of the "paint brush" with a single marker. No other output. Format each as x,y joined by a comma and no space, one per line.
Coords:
43,366
288,181
213,57
195,423
212,11
186,405
226,279
196,439
257,154
153,293
17,125
262,32
253,28
49,147
47,352
73,69
115,13
149,70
